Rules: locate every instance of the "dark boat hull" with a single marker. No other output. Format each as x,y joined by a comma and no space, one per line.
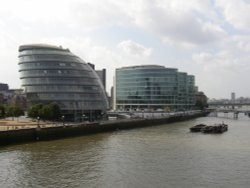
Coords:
197,128
218,128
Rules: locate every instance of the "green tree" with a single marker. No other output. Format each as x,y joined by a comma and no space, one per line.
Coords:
49,111
34,110
200,105
45,112
2,111
55,110
14,111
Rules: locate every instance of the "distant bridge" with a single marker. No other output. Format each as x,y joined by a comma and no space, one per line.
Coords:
229,104
235,112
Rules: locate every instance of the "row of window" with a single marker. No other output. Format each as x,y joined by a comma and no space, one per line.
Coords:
146,102
155,72
49,51
142,91
150,80
79,105
64,96
61,81
142,94
71,73
53,64
152,93
62,88
153,97
119,102
150,70
146,76
49,57
134,86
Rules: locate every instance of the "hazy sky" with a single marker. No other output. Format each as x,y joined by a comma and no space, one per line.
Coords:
206,38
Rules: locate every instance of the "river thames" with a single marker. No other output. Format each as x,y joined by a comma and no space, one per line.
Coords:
158,156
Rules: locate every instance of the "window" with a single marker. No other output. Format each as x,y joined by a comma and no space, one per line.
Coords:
62,64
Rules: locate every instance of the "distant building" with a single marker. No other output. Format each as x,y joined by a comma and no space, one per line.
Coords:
153,87
233,97
19,100
4,87
53,74
111,101
91,65
1,99
100,73
102,76
12,96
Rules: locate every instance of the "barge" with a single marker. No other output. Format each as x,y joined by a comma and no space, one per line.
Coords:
216,128
197,128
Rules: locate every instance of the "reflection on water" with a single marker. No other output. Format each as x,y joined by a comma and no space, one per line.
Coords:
159,156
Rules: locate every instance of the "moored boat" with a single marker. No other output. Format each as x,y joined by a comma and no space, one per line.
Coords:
197,128
216,128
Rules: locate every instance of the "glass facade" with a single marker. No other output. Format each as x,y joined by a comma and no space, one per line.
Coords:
53,74
153,87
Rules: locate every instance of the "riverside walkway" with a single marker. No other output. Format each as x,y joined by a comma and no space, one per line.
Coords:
28,123
13,132
23,123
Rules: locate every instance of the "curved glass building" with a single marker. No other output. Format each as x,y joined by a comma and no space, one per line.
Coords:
153,87
53,74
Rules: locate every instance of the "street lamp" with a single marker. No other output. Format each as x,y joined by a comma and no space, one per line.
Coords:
83,116
63,120
38,125
102,116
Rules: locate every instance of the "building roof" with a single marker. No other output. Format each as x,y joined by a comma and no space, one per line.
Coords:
145,67
40,46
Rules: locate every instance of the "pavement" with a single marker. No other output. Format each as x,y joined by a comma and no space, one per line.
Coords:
23,123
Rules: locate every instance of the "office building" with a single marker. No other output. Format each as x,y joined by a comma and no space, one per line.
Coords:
54,74
233,97
102,76
4,87
153,87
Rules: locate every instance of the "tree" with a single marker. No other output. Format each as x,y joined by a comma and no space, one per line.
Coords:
49,111
200,105
55,110
2,111
33,111
14,111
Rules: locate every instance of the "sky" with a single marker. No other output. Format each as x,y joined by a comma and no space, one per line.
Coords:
209,39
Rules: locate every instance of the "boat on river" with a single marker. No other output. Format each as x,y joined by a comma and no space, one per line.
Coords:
197,128
216,128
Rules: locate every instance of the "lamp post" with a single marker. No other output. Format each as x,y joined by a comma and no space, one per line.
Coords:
63,120
38,125
83,116
102,116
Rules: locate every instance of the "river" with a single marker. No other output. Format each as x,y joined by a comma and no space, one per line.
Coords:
158,156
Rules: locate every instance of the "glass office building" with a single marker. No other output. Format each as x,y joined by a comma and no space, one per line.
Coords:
153,87
53,74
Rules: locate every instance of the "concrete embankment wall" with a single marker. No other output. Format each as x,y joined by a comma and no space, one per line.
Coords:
36,134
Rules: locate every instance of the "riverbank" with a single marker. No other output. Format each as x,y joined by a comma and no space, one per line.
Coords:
17,136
